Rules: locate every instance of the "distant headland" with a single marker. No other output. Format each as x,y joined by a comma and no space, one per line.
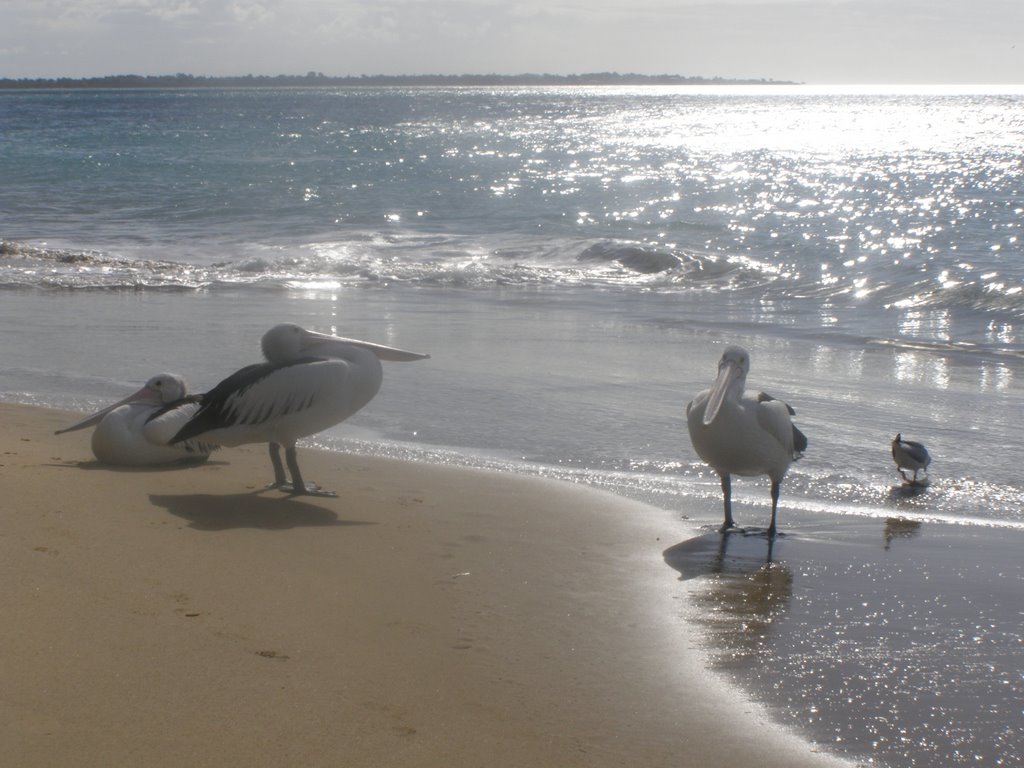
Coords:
320,79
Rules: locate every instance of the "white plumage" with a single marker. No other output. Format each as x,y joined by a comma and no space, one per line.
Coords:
137,431
740,434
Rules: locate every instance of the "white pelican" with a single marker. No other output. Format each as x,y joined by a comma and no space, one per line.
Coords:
311,381
910,455
743,435
136,431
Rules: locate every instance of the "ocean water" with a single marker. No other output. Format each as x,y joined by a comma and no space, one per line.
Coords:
574,260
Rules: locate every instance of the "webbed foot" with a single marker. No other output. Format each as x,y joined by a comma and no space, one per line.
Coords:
307,489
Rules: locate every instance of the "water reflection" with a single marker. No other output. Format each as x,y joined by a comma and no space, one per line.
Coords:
934,324
745,590
1001,333
900,528
994,376
833,362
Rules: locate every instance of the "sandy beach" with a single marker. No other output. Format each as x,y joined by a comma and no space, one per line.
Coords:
428,616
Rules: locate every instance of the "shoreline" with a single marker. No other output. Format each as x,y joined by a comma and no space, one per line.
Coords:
430,615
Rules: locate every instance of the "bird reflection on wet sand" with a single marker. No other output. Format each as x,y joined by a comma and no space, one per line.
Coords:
900,528
743,593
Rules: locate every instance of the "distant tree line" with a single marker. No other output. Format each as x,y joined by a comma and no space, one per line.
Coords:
320,79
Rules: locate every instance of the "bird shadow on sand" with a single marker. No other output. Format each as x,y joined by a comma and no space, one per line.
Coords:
737,552
208,512
94,465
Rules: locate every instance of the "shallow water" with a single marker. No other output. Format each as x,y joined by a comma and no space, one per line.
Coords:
895,642
562,383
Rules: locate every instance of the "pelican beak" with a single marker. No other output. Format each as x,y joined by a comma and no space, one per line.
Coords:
391,354
146,395
728,372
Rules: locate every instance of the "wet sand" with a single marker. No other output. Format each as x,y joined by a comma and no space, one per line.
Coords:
896,639
428,616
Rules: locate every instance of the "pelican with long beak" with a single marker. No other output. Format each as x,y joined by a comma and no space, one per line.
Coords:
136,431
310,382
741,434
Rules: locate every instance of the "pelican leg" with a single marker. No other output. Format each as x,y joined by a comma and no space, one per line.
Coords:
298,486
727,502
776,487
275,460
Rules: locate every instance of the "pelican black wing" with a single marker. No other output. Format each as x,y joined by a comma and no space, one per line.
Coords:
216,412
764,397
220,406
799,440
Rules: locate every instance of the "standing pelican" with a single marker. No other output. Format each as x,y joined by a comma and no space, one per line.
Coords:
136,431
311,381
910,455
743,435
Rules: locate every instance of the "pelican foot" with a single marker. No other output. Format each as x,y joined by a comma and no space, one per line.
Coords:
307,489
732,528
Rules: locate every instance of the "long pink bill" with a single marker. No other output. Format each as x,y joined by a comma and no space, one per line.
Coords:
390,354
727,374
146,395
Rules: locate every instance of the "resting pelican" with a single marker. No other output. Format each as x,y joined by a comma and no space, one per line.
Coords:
910,455
743,435
311,381
136,431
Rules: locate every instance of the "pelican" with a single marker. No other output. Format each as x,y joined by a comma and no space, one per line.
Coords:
311,381
910,455
136,431
743,435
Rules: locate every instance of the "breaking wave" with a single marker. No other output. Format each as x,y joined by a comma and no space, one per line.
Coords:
372,260
375,259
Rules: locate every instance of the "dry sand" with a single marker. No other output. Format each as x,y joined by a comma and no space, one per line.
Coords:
429,616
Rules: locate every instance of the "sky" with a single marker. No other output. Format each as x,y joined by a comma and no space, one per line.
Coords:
812,41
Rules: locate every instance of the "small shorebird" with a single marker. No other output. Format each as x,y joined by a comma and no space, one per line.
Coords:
913,456
311,381
743,435
136,431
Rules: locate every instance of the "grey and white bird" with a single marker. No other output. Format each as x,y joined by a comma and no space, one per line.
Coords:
310,382
136,431
741,434
913,456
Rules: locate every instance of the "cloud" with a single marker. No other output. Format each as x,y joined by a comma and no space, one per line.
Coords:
809,40
98,14
251,13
